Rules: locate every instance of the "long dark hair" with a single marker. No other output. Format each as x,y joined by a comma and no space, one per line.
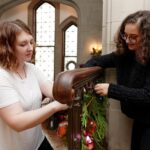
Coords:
142,19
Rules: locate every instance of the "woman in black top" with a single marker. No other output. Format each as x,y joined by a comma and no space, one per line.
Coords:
132,63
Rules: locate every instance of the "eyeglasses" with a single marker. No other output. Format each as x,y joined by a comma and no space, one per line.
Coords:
132,37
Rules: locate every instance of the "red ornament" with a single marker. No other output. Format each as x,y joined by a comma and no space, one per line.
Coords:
88,139
61,117
89,142
90,146
91,127
62,128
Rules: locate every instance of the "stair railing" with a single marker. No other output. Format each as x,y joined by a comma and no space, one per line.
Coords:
69,87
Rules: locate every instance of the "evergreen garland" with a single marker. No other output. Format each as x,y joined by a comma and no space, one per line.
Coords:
94,109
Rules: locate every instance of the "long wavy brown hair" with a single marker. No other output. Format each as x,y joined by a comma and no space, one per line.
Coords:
142,19
8,33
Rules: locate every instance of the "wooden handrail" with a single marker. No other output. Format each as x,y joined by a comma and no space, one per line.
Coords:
66,82
69,88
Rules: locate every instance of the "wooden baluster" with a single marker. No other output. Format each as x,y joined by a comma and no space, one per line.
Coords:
74,121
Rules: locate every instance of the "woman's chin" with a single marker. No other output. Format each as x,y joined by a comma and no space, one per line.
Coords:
132,48
28,59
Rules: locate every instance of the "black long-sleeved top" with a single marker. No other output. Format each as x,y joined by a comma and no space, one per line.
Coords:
133,83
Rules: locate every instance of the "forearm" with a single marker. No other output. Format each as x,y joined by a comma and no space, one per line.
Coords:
20,120
32,118
105,61
133,95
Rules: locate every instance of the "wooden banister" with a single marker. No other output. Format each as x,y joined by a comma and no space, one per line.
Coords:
69,89
66,82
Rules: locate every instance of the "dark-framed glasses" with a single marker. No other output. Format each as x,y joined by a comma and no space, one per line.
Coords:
132,38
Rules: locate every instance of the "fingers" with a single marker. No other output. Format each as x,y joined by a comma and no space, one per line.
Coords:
101,88
61,106
98,89
65,106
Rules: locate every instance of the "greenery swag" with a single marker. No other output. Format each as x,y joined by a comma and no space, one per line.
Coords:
93,121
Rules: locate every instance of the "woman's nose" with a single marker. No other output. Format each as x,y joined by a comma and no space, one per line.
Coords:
30,47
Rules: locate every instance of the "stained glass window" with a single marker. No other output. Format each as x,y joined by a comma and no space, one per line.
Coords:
45,39
70,59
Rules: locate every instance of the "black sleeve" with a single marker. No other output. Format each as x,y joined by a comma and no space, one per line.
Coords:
105,61
132,95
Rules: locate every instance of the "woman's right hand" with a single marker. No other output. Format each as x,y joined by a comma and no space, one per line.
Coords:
59,106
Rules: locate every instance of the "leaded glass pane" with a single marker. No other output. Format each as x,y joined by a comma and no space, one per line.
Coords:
45,25
45,35
45,61
71,41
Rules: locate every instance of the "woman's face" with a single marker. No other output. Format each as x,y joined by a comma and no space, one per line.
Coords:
24,46
132,36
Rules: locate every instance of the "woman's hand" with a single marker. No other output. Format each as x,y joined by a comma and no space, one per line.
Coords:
58,106
101,89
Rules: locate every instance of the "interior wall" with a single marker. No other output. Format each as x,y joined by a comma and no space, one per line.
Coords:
66,11
21,12
89,27
17,12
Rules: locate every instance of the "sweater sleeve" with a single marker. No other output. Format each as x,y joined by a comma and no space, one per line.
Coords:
105,61
132,95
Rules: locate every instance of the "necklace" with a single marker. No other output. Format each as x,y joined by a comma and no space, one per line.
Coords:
23,76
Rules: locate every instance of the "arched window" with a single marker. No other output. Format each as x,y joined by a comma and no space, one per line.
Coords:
54,26
45,39
70,48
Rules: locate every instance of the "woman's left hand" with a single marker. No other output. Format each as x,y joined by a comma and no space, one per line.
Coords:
101,89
